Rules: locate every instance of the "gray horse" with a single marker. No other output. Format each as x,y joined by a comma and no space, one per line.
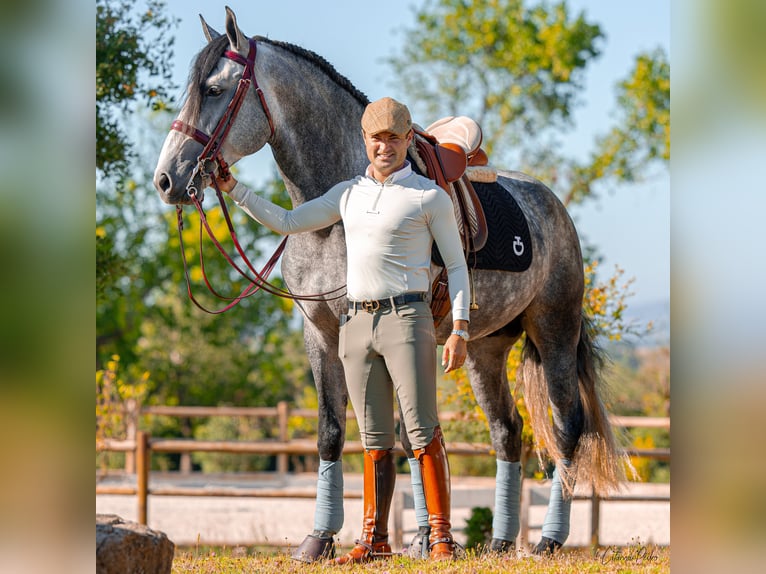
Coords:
296,102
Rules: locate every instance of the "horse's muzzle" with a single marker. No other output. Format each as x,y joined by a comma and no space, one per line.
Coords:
174,194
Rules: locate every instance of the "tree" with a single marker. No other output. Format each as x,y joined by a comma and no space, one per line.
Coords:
642,134
176,353
133,62
516,70
133,55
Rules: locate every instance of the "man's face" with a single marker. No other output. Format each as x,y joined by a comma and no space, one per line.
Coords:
387,152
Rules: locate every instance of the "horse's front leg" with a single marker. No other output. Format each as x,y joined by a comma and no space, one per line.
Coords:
322,350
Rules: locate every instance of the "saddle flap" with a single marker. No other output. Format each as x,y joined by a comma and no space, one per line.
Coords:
473,213
478,158
446,164
453,161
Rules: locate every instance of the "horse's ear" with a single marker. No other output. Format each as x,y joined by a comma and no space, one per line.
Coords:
237,40
210,34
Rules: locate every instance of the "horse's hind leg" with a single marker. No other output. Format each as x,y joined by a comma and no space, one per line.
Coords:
486,364
333,400
550,379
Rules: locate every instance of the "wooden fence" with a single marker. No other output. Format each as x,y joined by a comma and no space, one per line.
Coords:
139,446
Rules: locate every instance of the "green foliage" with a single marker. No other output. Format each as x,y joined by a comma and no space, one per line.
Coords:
640,386
642,134
649,469
133,62
251,355
110,264
117,389
515,69
120,391
604,304
478,528
640,380
518,68
229,428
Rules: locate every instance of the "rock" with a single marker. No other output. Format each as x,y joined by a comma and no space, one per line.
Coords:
124,547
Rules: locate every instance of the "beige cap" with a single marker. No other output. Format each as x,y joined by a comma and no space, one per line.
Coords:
386,115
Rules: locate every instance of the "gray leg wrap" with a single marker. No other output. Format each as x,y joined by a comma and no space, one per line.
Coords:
328,516
505,522
419,497
556,523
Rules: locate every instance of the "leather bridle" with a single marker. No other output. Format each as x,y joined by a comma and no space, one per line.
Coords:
213,143
211,159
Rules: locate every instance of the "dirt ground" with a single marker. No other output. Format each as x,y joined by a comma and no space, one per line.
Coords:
284,522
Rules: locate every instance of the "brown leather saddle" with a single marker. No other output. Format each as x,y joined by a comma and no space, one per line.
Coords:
446,149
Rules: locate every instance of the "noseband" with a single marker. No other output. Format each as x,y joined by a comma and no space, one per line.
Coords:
211,152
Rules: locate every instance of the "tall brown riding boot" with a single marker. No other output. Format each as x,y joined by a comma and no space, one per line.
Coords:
436,486
379,482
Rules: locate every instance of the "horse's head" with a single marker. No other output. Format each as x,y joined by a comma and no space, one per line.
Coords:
224,116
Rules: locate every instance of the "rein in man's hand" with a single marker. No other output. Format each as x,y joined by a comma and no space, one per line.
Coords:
225,184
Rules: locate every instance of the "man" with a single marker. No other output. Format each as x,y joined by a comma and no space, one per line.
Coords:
391,217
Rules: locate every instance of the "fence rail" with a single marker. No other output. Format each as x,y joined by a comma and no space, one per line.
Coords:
139,447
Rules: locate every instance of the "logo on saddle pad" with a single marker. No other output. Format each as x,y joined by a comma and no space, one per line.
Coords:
518,246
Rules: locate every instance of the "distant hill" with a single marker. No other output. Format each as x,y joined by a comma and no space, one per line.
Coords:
658,312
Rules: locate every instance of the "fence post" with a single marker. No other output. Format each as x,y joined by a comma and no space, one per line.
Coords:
526,495
398,530
131,425
142,474
595,517
283,412
185,461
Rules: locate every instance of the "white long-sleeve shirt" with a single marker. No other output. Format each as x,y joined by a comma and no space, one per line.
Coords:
390,228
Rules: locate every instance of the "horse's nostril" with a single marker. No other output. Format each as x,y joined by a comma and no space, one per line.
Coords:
164,183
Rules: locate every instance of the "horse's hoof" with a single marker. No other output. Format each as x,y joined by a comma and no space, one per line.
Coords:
501,546
315,548
547,547
418,548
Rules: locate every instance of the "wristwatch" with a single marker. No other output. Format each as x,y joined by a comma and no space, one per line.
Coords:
461,333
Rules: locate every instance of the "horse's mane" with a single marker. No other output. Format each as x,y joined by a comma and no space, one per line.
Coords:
208,58
322,64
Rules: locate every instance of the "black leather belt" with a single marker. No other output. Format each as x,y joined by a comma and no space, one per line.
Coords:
372,305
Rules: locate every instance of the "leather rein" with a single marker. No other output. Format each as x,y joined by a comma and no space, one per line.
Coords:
211,159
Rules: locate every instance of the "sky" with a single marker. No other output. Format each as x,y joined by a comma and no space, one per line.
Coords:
630,224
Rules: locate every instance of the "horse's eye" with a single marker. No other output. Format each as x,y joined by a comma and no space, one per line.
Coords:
214,91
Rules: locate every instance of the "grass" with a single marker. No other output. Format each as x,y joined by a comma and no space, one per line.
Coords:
637,558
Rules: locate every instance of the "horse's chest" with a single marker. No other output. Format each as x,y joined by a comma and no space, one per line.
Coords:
315,264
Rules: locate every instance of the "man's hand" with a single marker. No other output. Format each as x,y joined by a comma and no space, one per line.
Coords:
455,349
225,184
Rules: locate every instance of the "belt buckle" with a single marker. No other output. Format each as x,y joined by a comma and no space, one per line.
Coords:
370,306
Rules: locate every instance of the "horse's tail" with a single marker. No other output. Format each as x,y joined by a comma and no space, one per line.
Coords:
596,459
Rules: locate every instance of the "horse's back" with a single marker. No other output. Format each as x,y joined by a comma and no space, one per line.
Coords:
550,224
553,280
